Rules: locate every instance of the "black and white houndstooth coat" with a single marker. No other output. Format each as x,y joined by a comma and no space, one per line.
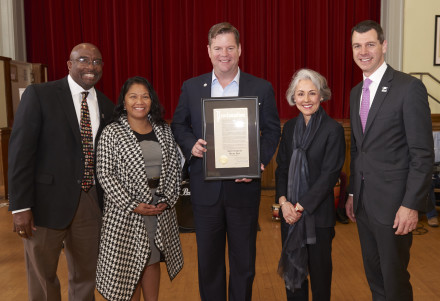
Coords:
124,247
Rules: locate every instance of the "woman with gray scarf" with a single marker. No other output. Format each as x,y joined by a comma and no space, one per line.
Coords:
310,157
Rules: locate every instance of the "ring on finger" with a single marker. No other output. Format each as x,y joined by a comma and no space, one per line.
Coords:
21,232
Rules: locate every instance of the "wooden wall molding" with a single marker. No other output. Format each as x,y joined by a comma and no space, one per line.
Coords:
5,133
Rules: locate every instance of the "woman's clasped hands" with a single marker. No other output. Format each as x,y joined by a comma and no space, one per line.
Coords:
290,214
148,209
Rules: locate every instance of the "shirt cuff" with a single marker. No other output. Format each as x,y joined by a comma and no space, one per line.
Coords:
20,210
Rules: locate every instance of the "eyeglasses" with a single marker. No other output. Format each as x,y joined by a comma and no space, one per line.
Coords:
85,61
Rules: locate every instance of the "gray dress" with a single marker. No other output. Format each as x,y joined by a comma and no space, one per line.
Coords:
153,161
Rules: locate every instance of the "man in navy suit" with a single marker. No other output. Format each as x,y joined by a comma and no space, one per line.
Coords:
391,163
50,203
225,209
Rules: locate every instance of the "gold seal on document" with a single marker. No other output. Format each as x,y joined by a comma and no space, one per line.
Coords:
223,159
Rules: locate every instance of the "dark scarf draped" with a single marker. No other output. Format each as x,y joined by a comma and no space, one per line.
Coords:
293,262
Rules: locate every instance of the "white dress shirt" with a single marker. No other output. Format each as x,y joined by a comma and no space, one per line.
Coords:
376,77
92,102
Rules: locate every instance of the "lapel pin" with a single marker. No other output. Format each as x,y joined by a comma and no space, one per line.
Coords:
384,89
205,84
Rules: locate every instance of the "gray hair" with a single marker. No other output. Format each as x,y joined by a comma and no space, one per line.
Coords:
317,79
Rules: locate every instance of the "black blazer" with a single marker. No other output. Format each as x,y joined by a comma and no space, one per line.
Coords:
395,155
187,129
325,156
45,153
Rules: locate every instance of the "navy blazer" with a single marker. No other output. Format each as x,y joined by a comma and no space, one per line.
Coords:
395,155
187,129
325,156
45,162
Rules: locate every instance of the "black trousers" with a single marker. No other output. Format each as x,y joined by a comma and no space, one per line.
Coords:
319,264
385,256
214,226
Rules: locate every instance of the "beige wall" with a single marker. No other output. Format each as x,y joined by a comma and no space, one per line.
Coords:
12,30
418,43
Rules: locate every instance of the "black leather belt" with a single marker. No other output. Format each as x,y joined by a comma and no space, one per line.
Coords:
153,182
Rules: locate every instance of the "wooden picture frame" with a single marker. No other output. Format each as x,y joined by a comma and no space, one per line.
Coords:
437,41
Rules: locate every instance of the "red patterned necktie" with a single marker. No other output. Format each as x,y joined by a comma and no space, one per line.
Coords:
87,144
365,105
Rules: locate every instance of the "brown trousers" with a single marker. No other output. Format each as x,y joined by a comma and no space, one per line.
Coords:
81,241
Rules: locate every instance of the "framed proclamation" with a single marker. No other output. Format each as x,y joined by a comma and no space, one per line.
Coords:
232,132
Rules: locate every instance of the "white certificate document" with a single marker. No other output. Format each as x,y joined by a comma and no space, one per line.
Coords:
231,138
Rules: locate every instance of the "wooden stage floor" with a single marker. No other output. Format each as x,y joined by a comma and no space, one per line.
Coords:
349,282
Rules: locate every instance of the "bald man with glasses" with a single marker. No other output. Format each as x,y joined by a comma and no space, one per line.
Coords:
53,194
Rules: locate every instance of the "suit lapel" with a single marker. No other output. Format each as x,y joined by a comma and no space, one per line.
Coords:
243,85
357,125
101,114
102,117
66,101
381,93
205,86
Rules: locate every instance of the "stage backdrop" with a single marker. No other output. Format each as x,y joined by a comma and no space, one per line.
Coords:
165,41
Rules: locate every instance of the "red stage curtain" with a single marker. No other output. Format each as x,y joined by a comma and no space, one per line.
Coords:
165,41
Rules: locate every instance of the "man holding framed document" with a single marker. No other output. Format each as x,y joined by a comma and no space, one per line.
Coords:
225,208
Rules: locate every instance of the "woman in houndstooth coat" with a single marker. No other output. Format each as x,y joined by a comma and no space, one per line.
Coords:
138,165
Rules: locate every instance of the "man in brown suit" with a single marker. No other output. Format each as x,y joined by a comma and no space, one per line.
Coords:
48,198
